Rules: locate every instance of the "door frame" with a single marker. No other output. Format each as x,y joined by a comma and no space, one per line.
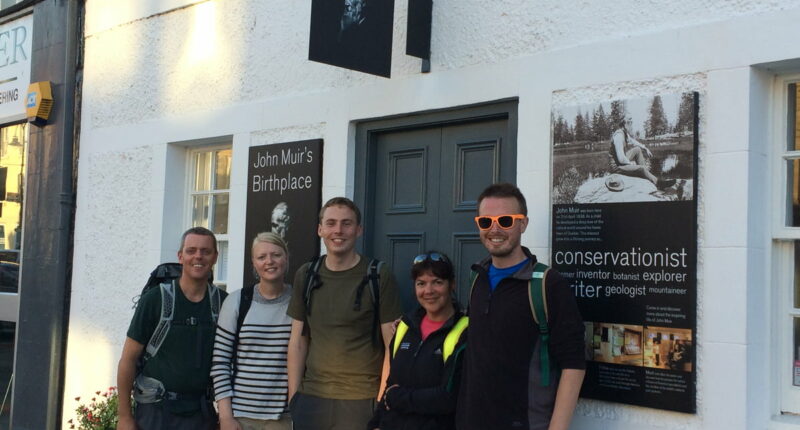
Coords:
367,130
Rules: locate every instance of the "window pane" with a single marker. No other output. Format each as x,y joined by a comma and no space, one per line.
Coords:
221,268
220,214
200,211
796,293
222,180
793,188
7,334
202,176
796,369
793,119
13,142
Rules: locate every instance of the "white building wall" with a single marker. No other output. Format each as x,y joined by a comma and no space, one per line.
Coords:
159,72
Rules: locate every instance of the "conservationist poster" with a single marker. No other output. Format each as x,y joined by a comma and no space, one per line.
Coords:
625,237
284,195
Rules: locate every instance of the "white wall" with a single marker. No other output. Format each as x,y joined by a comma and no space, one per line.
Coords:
158,72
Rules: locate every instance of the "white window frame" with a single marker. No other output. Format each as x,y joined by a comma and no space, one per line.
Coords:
783,251
188,204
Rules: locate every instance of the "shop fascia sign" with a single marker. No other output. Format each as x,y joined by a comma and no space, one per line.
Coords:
15,67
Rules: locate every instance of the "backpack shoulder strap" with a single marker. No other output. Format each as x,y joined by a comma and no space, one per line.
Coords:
245,300
374,274
312,280
167,312
374,279
215,301
537,297
451,340
402,329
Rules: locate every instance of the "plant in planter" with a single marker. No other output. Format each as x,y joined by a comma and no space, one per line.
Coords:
99,414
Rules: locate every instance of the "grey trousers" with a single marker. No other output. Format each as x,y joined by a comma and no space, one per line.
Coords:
316,413
152,416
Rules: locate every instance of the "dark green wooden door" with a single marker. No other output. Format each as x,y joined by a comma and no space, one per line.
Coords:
426,183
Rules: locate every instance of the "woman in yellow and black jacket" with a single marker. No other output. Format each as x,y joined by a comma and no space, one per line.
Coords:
426,354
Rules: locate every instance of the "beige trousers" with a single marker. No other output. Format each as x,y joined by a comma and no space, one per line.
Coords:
285,423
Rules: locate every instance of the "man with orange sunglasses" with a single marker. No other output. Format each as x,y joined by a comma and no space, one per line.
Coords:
503,385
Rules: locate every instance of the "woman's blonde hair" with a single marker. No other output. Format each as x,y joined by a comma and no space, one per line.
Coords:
270,237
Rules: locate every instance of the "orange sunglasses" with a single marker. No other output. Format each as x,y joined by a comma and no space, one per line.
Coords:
504,221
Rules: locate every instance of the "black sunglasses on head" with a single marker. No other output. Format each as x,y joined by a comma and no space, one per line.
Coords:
433,256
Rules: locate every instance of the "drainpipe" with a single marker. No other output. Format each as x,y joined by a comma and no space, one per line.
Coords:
46,268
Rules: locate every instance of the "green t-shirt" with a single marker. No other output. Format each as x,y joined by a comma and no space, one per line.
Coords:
343,361
183,362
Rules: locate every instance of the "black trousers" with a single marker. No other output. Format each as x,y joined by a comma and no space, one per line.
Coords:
153,416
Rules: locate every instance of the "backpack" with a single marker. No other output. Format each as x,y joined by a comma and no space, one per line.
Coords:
373,278
164,277
538,304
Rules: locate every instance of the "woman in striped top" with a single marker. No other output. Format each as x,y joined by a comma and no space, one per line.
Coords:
250,383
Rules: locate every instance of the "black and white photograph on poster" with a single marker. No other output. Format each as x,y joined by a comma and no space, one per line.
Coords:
354,34
284,196
629,247
636,150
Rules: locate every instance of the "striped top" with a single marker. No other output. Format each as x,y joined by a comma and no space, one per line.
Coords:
261,384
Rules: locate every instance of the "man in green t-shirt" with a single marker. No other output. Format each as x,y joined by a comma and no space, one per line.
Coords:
337,357
172,386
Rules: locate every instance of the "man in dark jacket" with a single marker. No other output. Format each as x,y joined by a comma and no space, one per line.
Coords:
501,385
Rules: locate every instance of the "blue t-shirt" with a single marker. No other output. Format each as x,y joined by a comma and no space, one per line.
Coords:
496,275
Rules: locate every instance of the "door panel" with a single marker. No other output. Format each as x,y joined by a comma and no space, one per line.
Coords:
427,182
472,158
405,210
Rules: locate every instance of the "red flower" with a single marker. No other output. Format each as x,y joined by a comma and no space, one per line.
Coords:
78,399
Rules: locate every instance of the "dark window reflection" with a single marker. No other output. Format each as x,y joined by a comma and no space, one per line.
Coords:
796,372
796,289
13,144
793,166
7,334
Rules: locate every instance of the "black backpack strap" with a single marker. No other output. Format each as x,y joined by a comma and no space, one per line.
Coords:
245,300
373,279
374,275
312,280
